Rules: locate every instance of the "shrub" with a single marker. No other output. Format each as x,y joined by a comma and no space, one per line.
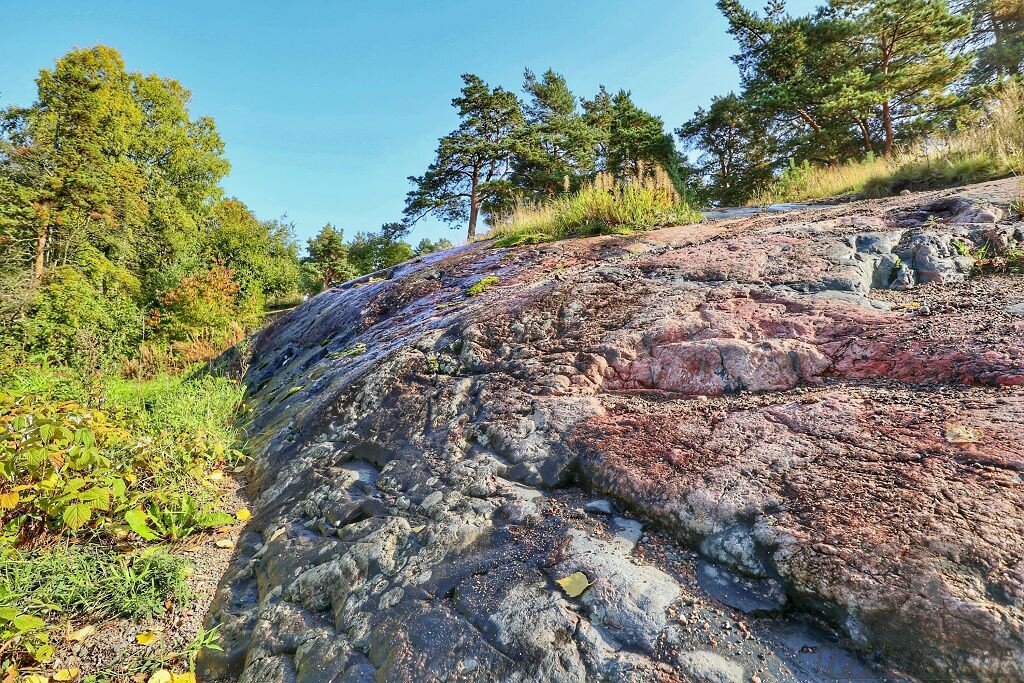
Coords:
72,320
601,207
142,462
201,307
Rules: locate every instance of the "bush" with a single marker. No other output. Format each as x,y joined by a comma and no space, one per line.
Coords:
201,307
71,320
140,467
600,207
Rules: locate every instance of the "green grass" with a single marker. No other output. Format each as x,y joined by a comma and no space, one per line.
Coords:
602,207
95,583
993,149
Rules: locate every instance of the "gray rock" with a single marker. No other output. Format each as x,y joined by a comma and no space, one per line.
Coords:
628,601
707,667
599,507
1016,309
980,213
628,531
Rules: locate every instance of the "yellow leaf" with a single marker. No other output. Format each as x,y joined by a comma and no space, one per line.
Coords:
224,543
8,501
34,678
66,674
243,514
957,433
574,584
216,475
83,634
147,638
161,676
11,674
185,677
419,528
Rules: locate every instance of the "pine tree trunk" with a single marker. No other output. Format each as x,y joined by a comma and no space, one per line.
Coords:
474,206
865,134
890,134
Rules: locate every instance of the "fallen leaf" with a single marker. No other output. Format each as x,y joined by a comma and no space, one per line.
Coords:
574,584
216,475
11,674
958,433
419,528
83,634
243,514
161,676
65,674
34,678
147,638
224,543
9,501
185,677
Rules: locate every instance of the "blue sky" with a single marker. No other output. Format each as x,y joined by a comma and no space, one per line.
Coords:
327,107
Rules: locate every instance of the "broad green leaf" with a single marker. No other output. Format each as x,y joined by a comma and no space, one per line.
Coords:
27,622
8,613
43,653
138,522
211,519
76,515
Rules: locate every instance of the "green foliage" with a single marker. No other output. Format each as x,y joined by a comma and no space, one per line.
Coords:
71,469
262,255
369,252
74,579
327,263
853,78
109,204
203,306
71,319
472,164
736,148
997,36
505,154
992,148
482,285
558,147
38,587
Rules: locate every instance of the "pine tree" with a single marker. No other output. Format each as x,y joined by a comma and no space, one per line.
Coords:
472,165
557,146
904,65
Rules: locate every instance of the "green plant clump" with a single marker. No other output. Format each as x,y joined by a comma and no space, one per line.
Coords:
482,285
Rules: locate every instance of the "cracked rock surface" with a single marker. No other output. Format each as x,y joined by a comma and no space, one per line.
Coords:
781,447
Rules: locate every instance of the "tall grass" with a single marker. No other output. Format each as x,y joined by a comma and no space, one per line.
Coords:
603,206
993,149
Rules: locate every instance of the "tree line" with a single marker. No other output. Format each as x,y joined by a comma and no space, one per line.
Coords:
115,231
854,78
507,149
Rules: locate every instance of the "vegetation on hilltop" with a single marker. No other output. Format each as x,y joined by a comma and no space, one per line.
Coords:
862,95
507,155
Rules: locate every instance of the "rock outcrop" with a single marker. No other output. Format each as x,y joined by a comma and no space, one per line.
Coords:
780,448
